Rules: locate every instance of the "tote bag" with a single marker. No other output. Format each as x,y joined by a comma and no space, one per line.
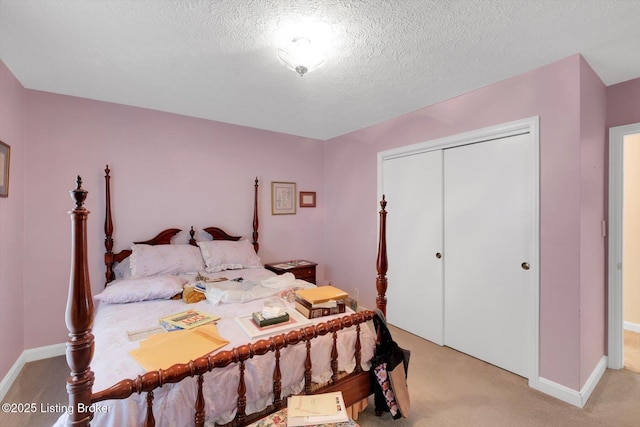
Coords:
390,368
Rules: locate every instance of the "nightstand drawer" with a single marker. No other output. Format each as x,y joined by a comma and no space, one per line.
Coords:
308,274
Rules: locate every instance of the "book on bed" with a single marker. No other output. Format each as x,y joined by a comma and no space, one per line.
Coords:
186,320
321,294
311,311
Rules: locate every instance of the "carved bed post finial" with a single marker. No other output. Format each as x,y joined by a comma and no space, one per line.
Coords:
381,263
256,245
79,315
79,195
108,229
192,238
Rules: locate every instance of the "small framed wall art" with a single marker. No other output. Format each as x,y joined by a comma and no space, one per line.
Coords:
5,155
283,198
307,199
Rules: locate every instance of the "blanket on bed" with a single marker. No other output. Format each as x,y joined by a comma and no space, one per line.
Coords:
172,402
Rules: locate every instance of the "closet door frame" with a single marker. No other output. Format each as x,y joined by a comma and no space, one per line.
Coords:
528,125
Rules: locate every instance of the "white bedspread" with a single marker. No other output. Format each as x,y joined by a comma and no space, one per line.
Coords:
173,403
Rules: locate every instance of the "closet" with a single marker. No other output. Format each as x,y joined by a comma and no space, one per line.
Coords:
460,238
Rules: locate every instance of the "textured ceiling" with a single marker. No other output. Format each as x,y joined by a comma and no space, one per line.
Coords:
217,59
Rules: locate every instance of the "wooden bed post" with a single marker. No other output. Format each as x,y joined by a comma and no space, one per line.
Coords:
79,316
108,229
381,263
256,245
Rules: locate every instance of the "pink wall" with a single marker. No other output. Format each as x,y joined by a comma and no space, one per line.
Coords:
12,103
168,171
623,103
552,92
593,210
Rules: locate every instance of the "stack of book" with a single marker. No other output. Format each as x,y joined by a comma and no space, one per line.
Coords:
320,301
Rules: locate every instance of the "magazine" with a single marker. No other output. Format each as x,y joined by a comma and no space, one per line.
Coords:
305,410
187,320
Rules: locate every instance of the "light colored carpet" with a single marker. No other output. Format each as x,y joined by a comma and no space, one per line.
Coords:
632,352
449,388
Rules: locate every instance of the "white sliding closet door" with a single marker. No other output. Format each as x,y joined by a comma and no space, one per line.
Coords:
487,227
413,185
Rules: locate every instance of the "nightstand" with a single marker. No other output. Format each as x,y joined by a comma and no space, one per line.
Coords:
301,268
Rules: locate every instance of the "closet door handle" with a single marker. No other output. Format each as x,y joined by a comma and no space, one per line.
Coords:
525,265
438,255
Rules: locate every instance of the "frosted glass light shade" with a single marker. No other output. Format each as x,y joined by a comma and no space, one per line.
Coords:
301,56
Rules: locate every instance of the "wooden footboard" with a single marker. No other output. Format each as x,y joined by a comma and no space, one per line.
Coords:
80,346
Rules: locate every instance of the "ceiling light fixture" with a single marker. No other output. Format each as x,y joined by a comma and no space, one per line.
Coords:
301,56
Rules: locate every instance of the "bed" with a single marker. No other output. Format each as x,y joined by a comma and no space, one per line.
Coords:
248,375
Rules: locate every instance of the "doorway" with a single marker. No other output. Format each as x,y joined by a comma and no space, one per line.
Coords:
618,138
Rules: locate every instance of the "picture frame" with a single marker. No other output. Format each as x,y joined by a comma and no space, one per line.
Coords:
5,156
283,198
307,199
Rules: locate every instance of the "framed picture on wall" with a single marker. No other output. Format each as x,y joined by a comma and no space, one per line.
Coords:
5,154
307,199
283,198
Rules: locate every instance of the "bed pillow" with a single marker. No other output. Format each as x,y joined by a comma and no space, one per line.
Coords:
135,290
222,255
122,270
148,260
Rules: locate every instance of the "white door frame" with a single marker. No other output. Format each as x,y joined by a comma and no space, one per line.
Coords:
615,285
528,125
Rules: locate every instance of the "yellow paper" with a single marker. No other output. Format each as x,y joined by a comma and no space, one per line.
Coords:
322,294
164,350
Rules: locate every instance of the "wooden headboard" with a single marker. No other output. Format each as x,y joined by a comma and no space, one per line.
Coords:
165,236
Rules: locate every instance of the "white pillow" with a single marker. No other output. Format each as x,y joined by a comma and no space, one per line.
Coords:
148,260
122,269
222,255
135,290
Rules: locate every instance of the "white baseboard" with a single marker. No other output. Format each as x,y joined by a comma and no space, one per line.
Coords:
29,355
633,327
576,398
11,376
